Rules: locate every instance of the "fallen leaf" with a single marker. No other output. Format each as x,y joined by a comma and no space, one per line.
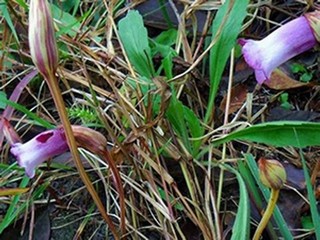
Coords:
281,81
238,97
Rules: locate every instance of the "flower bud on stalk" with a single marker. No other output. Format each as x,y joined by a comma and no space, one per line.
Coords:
43,47
44,54
291,39
272,173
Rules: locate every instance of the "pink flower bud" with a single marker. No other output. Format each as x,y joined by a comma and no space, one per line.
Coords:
42,41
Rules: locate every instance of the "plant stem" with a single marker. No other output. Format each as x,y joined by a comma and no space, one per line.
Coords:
267,214
58,100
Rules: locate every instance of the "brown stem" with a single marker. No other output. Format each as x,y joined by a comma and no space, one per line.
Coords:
58,100
118,183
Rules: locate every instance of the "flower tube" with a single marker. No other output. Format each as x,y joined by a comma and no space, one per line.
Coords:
293,38
52,143
39,149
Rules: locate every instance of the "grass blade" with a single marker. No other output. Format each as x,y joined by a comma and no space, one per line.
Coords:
240,228
313,202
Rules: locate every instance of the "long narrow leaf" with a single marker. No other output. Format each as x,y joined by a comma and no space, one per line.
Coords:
313,202
23,109
280,134
240,228
231,14
11,213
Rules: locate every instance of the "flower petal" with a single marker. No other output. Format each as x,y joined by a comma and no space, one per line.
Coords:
286,42
39,149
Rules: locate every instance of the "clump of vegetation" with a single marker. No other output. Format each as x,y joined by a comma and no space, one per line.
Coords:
174,120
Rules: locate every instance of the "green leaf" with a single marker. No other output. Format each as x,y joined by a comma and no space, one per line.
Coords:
162,44
5,13
240,229
175,115
167,38
230,17
134,38
280,134
297,68
194,127
40,121
284,97
186,124
2,103
313,202
306,222
12,212
306,77
68,23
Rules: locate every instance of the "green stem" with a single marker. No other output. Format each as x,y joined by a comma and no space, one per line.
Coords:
267,214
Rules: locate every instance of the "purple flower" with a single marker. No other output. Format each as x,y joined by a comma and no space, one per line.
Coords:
52,143
291,39
39,149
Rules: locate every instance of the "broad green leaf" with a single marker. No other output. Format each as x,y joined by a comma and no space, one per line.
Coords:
134,38
167,38
162,44
230,17
69,24
241,225
280,134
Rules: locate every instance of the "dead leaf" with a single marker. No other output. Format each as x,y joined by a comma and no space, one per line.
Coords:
238,97
281,81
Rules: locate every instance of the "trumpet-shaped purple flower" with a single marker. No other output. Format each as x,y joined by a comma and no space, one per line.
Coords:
291,39
39,149
52,143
